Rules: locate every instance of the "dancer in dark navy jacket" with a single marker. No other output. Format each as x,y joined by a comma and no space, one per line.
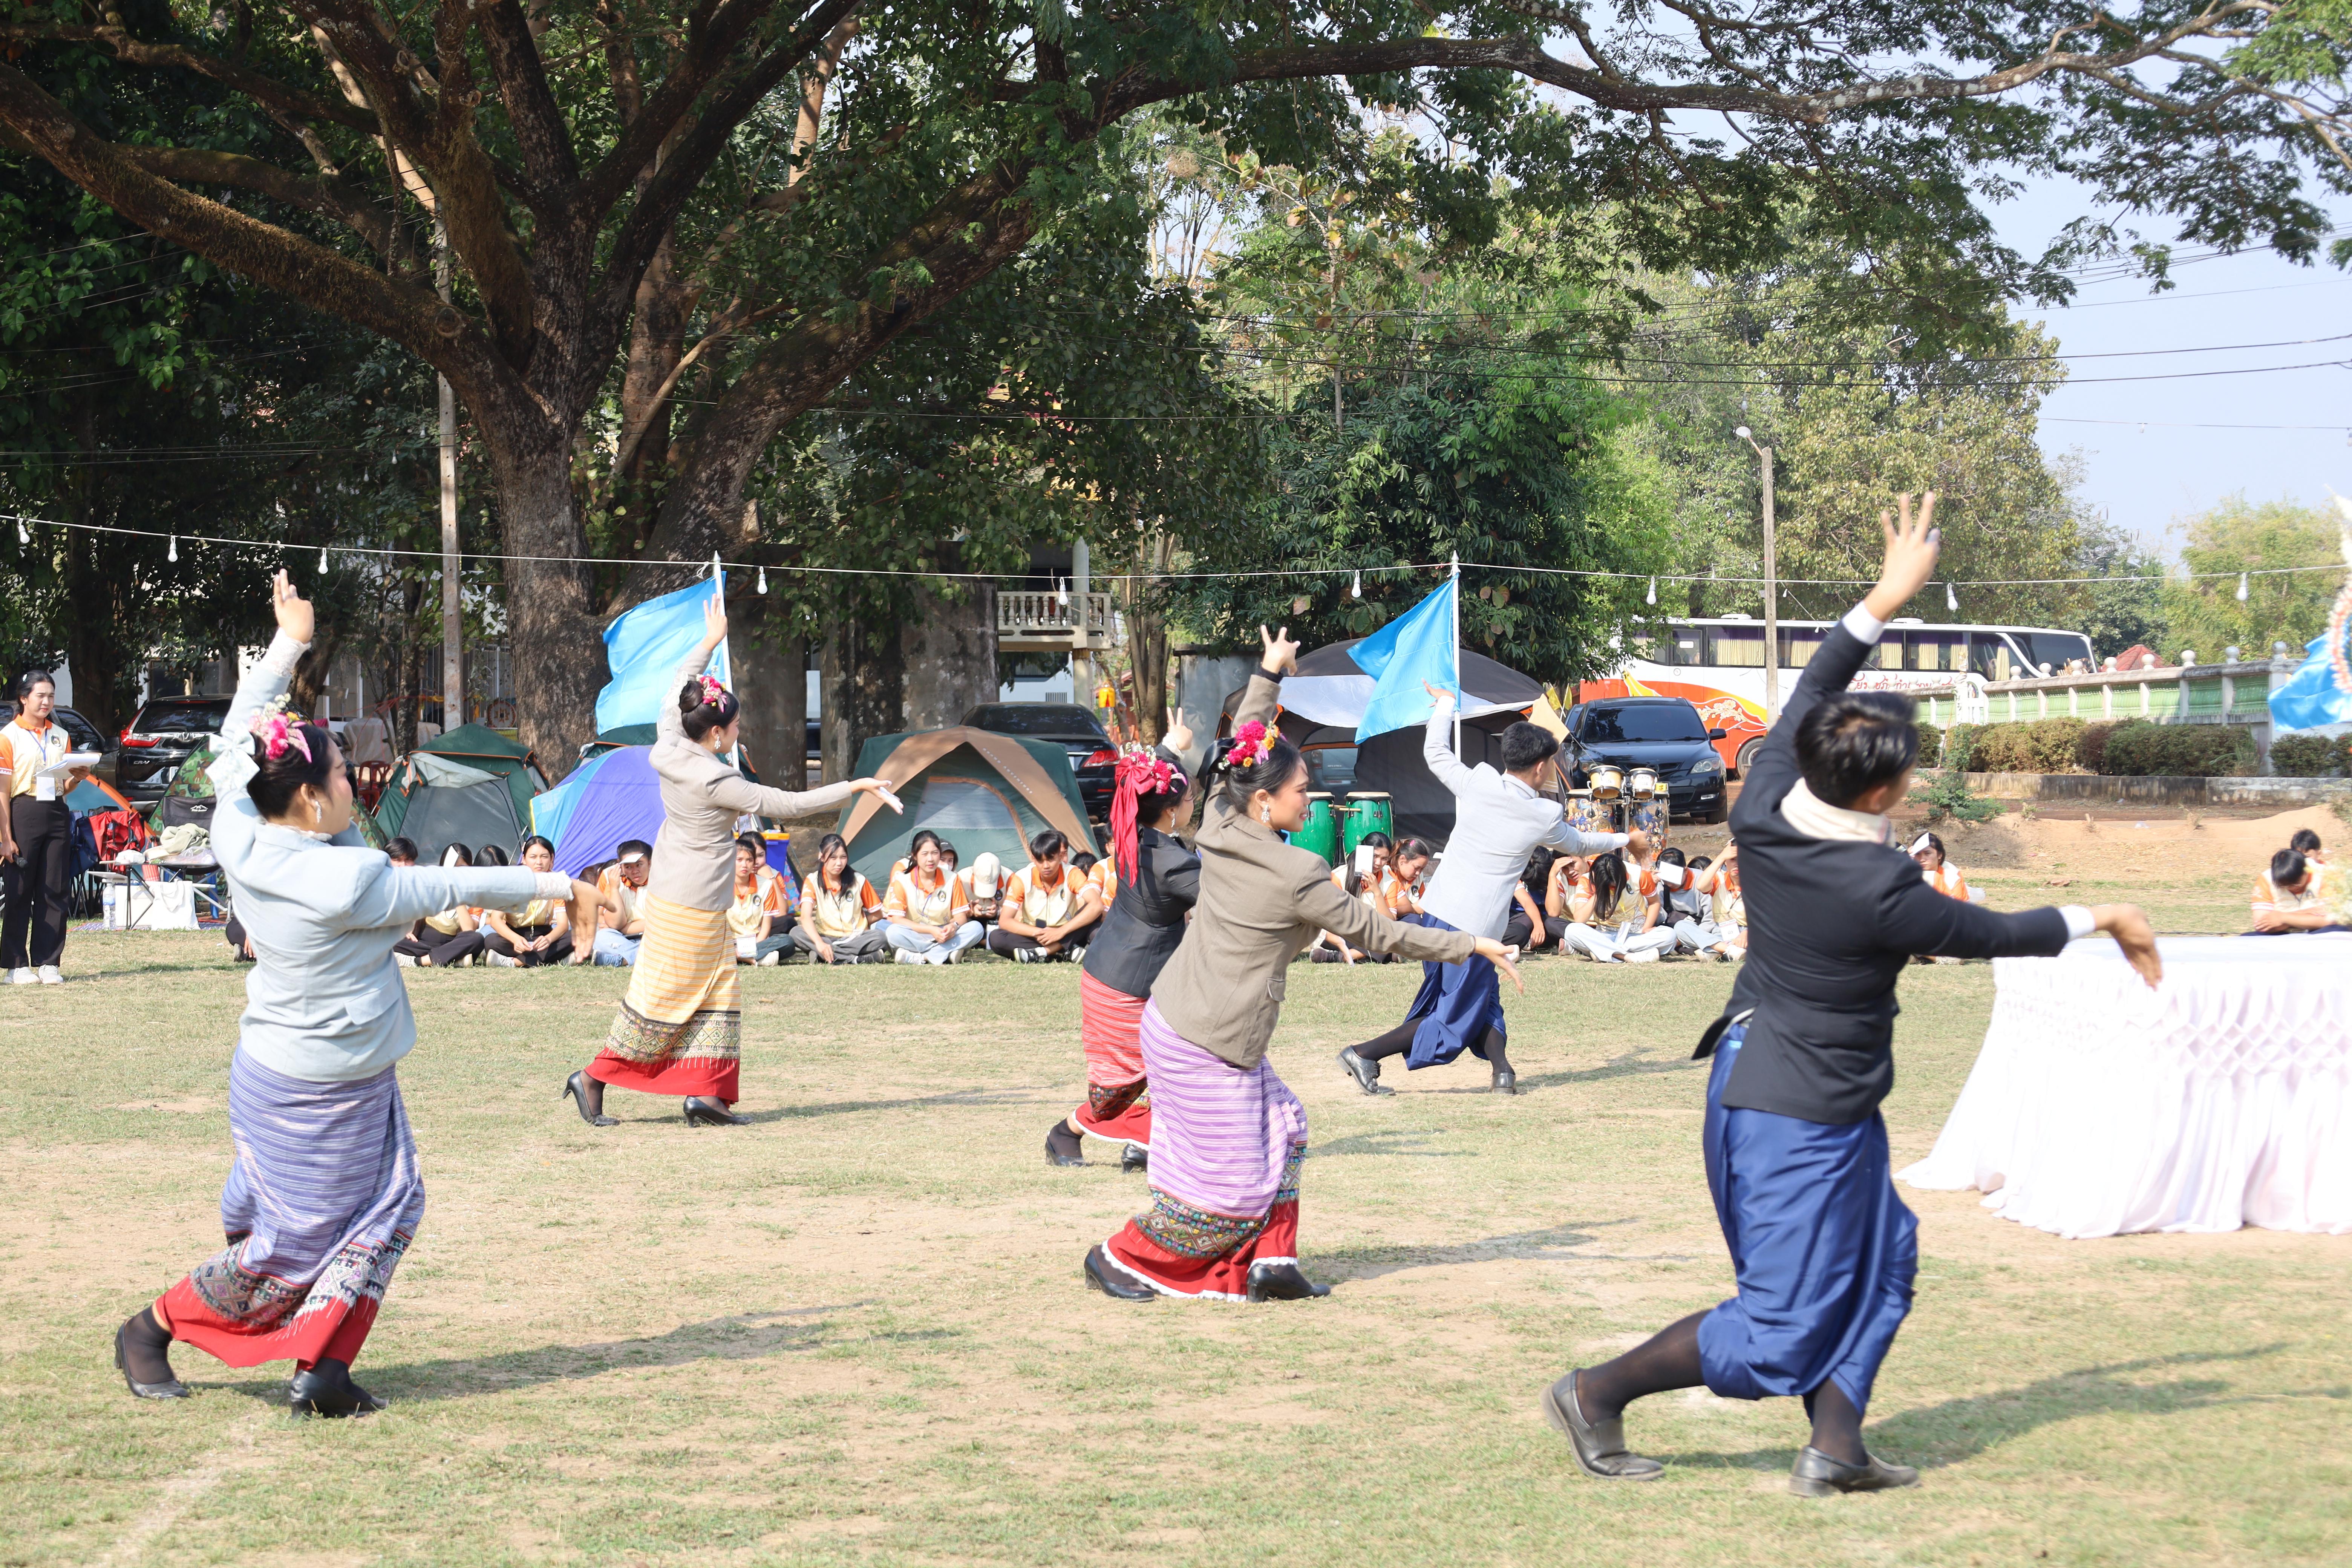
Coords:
1823,1250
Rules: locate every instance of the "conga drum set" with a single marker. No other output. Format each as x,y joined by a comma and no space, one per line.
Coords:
1619,800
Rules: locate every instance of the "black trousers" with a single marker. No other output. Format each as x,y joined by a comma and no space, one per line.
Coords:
33,930
553,952
1516,933
440,949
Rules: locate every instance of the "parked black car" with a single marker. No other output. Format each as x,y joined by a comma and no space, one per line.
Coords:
1092,756
162,737
87,736
1661,733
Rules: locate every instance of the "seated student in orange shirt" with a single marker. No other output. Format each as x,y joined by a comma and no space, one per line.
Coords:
2287,901
620,921
838,908
1941,873
2306,844
1045,913
1400,884
924,914
760,918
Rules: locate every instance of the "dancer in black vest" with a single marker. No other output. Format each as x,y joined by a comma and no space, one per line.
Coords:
1823,1250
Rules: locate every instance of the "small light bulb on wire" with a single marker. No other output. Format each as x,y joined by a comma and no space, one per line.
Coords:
1951,600
1356,586
764,579
173,552
24,534
1653,592
322,558
2242,587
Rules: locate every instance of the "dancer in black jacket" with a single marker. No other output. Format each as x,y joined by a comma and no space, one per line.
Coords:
1823,1250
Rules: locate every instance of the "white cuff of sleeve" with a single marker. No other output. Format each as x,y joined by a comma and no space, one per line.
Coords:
283,654
2079,920
554,885
1862,623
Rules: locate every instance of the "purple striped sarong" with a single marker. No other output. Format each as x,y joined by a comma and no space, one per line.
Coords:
322,1201
1226,1143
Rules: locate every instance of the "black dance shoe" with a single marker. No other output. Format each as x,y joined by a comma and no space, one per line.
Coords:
575,1088
1064,1147
1133,1158
1505,1082
144,1328
1815,1474
329,1393
701,1112
1366,1074
1099,1276
1282,1282
1599,1445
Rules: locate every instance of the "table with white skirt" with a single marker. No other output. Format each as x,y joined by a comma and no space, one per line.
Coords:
2098,1107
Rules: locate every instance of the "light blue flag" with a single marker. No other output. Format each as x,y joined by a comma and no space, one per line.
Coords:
643,648
1417,645
2310,696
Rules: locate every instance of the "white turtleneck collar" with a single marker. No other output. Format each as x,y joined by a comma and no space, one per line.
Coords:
1816,818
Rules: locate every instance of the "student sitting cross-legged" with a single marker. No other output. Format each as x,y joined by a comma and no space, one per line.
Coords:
1611,922
541,934
449,940
924,914
838,908
620,922
1046,911
759,919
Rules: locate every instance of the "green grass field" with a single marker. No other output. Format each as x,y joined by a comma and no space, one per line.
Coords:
855,1332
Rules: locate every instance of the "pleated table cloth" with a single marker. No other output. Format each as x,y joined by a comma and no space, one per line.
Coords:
2098,1107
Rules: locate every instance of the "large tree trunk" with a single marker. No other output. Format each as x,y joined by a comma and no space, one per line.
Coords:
864,688
1147,643
559,653
949,647
772,683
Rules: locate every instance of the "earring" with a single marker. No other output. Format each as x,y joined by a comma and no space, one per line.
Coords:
318,816
1265,814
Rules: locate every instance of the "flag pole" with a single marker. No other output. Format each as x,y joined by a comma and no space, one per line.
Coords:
725,655
1457,654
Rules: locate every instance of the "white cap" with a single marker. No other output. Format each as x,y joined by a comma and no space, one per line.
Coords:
985,871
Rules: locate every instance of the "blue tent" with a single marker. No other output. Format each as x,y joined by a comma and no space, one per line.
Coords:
619,799
552,808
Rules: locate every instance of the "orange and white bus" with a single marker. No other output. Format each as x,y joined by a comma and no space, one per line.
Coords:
1717,662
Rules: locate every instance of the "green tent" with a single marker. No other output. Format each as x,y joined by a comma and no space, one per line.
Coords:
474,746
982,792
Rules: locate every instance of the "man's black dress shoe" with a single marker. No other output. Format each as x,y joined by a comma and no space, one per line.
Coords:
1099,1276
1282,1282
1366,1074
1506,1082
701,1112
575,1089
1815,1474
1064,1147
1599,1445
1133,1158
169,1388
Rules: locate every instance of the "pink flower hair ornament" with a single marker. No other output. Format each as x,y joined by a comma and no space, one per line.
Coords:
279,734
1249,745
712,691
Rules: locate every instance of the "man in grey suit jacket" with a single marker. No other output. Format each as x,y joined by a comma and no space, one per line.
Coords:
1499,818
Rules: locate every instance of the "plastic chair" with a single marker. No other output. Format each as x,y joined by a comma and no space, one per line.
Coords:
368,781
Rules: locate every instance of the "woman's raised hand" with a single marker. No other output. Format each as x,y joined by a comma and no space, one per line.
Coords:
1179,737
714,619
295,617
1281,653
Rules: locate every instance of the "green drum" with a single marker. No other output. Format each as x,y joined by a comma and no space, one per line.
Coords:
1320,831
1368,812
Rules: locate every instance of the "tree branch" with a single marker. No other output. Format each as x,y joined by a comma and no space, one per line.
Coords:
539,127
334,199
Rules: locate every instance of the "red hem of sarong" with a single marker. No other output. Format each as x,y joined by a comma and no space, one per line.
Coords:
709,1079
1133,1123
1226,1277
334,1332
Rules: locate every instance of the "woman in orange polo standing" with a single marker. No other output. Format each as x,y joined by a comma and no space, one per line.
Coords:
37,851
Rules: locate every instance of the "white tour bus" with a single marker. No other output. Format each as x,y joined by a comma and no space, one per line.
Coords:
1717,662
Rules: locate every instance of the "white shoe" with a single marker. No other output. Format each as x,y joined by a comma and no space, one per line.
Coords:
770,960
49,976
1025,954
500,961
1647,955
20,978
906,956
1078,955
405,960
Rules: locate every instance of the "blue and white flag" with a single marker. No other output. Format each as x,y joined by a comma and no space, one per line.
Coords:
2311,697
1417,645
643,648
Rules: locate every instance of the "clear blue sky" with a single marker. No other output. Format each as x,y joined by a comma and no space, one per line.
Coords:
2150,478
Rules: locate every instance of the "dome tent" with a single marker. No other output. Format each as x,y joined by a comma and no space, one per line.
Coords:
1323,701
982,792
471,786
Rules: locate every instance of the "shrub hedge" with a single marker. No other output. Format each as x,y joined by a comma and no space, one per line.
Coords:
2308,756
2034,746
2140,749
1931,746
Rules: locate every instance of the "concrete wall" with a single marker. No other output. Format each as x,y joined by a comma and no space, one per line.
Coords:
2057,788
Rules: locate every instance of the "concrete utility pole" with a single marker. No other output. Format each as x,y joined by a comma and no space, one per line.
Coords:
1772,590
1082,663
453,626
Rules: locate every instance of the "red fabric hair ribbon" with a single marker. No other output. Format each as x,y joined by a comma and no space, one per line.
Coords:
1139,773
